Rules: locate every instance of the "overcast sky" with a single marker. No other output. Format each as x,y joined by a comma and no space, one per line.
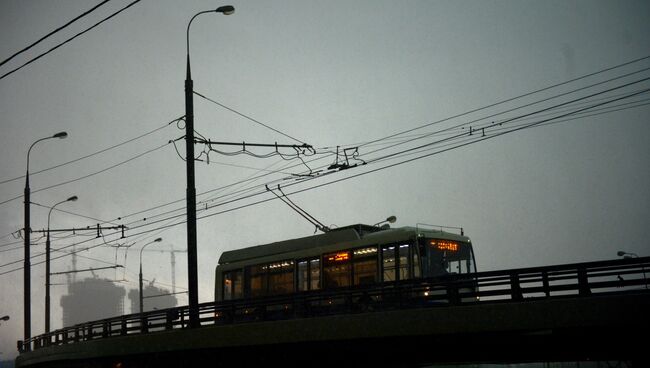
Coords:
327,73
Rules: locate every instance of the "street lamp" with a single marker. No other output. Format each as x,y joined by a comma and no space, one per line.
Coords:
623,254
390,219
27,266
192,269
141,299
47,265
4,318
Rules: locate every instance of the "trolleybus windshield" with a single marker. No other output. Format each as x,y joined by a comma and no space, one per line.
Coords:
449,257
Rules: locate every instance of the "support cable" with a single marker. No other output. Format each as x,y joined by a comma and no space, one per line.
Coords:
53,32
247,117
68,40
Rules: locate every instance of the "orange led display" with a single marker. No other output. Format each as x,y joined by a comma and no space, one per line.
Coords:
448,245
339,257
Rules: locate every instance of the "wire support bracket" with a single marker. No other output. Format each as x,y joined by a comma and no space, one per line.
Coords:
75,230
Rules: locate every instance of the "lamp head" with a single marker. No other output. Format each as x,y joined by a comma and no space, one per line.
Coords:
226,9
72,199
158,240
391,219
60,135
5,318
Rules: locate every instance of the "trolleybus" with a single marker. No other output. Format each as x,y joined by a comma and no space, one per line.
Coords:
350,256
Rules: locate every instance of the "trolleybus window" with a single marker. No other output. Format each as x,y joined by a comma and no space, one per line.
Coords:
303,275
258,280
280,277
417,272
389,262
365,266
227,286
309,274
336,269
238,284
459,265
448,256
233,285
403,262
314,274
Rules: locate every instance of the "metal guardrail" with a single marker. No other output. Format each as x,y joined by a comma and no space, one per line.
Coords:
570,280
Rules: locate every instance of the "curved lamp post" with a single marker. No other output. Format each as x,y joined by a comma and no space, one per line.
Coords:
623,254
27,265
140,276
47,265
390,219
192,269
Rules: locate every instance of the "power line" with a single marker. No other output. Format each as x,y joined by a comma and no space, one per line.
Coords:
580,116
89,175
69,39
460,125
519,117
423,156
406,161
12,243
371,171
410,150
97,152
71,213
247,117
53,32
400,133
462,144
250,178
551,108
377,169
517,108
516,97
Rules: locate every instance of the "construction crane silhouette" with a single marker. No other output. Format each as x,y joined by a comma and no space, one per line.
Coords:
172,252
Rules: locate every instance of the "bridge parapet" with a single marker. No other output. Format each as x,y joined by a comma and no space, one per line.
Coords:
615,277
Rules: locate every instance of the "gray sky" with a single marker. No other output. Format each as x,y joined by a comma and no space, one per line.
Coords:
327,73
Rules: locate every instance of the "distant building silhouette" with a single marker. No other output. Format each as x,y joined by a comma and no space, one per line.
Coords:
92,299
160,301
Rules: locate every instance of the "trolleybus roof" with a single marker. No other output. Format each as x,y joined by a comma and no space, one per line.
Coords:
335,236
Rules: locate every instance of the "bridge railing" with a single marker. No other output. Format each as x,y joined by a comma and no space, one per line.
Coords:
523,284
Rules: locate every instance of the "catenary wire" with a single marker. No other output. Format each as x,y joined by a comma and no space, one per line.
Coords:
246,117
427,155
412,129
69,39
91,174
95,153
346,178
54,31
516,97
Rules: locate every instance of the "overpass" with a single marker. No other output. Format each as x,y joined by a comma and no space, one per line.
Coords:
574,312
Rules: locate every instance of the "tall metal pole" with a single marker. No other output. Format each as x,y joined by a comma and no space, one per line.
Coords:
27,266
47,281
192,268
140,283
27,306
47,265
140,275
190,196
